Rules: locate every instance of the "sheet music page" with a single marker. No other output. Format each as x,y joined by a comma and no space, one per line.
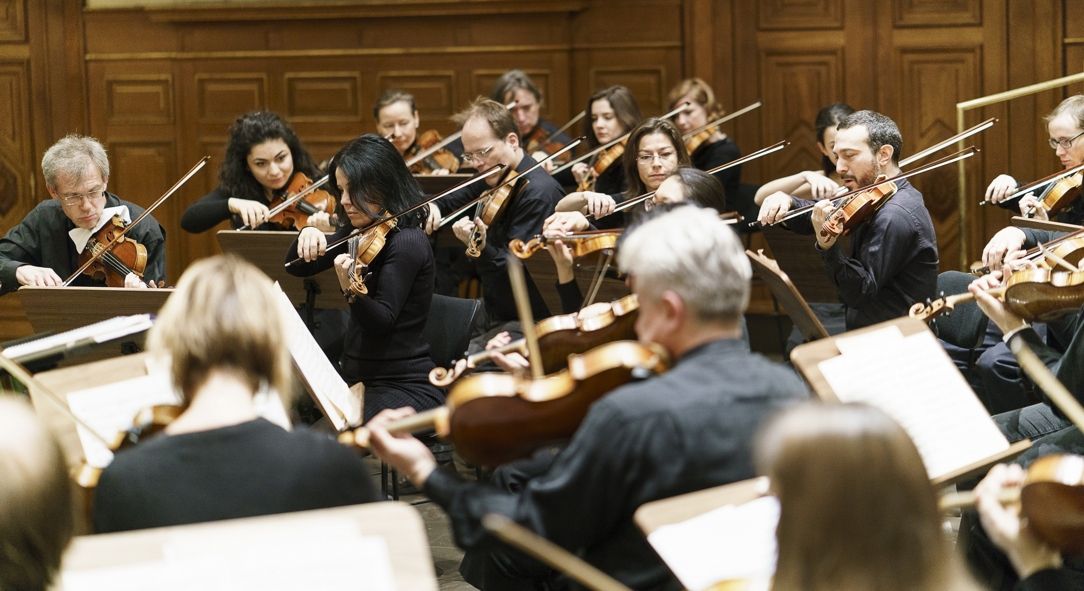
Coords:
884,339
111,408
99,332
915,382
731,542
324,555
340,405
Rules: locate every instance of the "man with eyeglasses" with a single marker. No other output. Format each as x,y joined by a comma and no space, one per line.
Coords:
43,250
490,139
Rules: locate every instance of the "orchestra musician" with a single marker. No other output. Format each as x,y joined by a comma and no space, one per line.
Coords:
262,156
538,136
893,260
397,119
489,140
385,348
36,517
219,459
687,429
713,147
611,113
814,184
1065,125
44,248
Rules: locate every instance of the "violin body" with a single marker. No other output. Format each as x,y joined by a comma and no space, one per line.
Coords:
1061,194
603,161
581,243
296,216
126,256
363,250
857,209
1053,502
539,140
693,143
439,160
492,205
1033,294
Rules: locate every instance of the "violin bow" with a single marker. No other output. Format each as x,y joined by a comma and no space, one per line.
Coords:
1057,176
981,127
526,318
564,127
447,219
1047,382
722,120
954,157
619,140
444,142
294,199
146,212
357,231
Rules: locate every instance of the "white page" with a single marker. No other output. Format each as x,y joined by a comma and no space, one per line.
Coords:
883,339
340,405
731,542
918,386
99,332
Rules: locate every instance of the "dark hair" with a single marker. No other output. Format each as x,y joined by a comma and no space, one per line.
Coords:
373,165
701,188
514,80
252,129
392,96
830,116
882,131
493,112
633,182
623,104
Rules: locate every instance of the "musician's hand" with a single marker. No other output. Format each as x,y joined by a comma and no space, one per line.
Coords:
37,276
343,266
563,223
1005,527
599,205
1000,188
775,206
440,172
1029,208
432,222
539,156
405,453
311,243
994,309
820,186
253,213
321,220
991,280
133,280
1007,241
562,260
821,211
510,362
580,172
481,228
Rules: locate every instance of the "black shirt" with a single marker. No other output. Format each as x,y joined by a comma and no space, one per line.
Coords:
892,262
253,468
708,156
213,209
42,240
385,338
685,430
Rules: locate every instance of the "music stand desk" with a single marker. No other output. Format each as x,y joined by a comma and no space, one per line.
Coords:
267,251
64,308
787,295
651,516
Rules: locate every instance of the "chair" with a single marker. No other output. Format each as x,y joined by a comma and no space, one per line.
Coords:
965,325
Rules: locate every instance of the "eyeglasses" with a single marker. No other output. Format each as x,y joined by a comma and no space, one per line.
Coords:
646,158
73,199
1065,144
478,156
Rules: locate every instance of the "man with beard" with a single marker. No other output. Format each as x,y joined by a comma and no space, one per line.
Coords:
892,260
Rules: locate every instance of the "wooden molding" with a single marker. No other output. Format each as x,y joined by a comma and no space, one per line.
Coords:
373,9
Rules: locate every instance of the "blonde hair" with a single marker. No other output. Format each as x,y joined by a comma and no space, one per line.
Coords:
1074,106
857,507
223,316
701,92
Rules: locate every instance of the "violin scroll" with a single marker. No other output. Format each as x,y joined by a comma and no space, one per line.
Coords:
524,250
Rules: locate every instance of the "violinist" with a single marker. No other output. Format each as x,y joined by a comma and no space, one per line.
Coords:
385,348
814,184
892,261
611,113
397,116
44,248
684,430
711,147
1065,124
538,136
489,140
37,521
219,459
263,155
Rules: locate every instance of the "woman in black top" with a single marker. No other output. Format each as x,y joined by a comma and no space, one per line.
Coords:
219,459
385,348
612,112
262,156
711,147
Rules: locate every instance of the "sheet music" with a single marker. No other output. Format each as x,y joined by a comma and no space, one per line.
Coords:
340,405
915,382
731,542
99,332
322,555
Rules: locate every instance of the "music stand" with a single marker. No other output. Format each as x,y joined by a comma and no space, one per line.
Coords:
435,184
267,251
787,295
60,309
796,255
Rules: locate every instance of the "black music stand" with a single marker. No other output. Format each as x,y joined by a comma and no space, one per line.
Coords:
788,296
435,184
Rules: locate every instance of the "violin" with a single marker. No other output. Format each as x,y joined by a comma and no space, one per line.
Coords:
494,418
1069,247
363,249
146,423
1058,195
540,141
603,160
439,160
295,216
558,337
693,142
492,205
1034,294
1048,182
856,209
112,265
581,243
696,138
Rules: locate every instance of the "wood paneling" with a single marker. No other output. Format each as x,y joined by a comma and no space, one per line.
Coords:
936,13
12,20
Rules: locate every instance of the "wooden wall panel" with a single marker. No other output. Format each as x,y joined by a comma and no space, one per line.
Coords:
12,20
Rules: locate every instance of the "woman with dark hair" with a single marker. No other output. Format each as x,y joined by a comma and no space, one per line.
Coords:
814,184
611,113
262,156
385,348
711,147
